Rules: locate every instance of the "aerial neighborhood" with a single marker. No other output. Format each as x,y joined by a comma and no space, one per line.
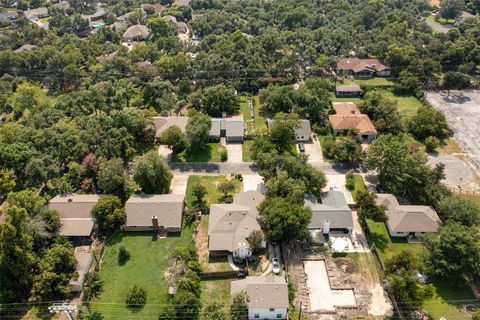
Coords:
239,160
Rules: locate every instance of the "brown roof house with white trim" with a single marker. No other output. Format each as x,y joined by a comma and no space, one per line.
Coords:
351,90
230,224
75,211
155,212
136,32
267,296
363,68
349,117
408,220
163,123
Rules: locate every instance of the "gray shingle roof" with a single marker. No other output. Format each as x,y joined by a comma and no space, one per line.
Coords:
263,291
234,127
333,208
303,129
349,88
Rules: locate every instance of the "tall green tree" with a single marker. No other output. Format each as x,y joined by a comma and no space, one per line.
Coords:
219,99
110,214
112,178
458,209
175,139
152,173
451,9
198,130
282,130
16,255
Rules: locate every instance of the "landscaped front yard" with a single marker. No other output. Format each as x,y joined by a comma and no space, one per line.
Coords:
211,153
149,258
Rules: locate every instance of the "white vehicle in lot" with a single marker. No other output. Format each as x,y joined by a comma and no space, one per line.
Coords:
276,265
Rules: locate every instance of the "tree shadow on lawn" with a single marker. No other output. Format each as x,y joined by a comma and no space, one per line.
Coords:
381,241
193,155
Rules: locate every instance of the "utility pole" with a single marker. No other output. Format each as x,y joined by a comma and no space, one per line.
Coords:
65,307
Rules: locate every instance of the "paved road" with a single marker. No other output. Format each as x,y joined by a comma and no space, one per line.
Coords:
205,168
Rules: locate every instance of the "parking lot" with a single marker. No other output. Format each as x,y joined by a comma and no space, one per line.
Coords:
462,110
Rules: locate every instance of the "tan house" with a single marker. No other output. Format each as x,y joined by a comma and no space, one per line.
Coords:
230,224
348,117
351,90
154,212
408,220
136,32
75,211
36,14
163,123
267,296
363,68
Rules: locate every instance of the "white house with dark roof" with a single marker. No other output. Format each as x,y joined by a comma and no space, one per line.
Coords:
233,129
230,224
154,212
75,212
267,296
331,214
407,220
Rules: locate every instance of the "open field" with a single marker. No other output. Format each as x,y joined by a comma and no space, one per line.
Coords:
216,290
149,258
211,153
211,184
377,81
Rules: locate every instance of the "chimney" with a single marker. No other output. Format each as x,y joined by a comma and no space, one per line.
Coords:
155,224
326,227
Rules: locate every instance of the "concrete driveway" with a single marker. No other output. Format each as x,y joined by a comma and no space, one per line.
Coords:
337,181
457,172
234,152
314,151
253,182
164,152
178,184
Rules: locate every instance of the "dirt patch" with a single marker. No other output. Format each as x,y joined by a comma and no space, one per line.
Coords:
347,265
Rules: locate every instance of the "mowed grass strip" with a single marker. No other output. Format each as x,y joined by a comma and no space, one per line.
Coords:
149,258
211,184
211,153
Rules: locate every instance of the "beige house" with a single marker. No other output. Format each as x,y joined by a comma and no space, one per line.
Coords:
267,296
163,123
348,117
75,211
230,224
408,220
154,212
36,14
136,32
351,90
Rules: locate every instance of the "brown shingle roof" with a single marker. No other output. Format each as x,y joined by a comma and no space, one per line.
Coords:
230,224
263,291
358,65
163,123
349,88
136,31
348,117
74,205
168,208
408,218
76,227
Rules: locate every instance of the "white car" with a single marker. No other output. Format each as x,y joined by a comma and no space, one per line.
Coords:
276,265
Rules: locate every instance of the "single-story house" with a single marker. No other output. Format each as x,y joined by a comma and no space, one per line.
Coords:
36,14
233,129
351,90
348,117
83,255
62,5
302,132
153,8
136,32
154,212
75,212
163,123
9,15
407,220
182,27
363,68
124,17
267,296
331,214
230,224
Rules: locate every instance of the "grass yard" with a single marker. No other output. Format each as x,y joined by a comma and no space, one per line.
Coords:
472,197
448,300
149,258
211,183
216,290
293,150
260,122
211,153
449,146
370,82
346,99
387,246
247,150
359,185
407,104
441,20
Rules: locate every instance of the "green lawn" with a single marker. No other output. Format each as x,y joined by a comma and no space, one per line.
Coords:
407,104
387,246
217,290
247,150
370,82
260,122
441,20
149,258
348,99
359,185
211,153
210,183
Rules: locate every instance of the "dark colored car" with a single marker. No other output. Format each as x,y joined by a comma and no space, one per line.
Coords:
301,147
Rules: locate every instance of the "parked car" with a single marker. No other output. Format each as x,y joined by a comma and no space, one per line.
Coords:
276,265
301,147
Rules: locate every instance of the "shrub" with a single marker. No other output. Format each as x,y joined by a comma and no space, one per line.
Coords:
431,143
476,315
350,181
224,155
136,297
123,255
